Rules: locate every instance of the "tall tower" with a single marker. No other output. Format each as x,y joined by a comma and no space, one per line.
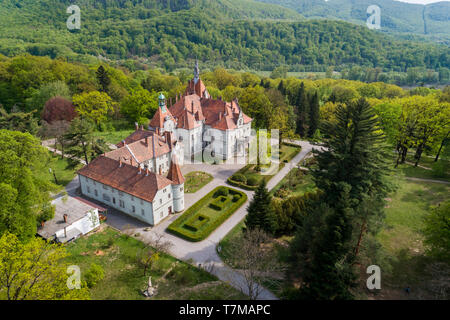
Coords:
162,102
177,179
196,72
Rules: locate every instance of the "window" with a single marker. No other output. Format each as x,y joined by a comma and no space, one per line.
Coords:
114,200
181,189
169,195
167,164
96,193
164,191
143,212
112,190
121,204
132,198
106,197
105,187
88,190
160,201
133,209
120,193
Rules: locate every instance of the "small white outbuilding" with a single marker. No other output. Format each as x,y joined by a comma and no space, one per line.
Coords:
73,218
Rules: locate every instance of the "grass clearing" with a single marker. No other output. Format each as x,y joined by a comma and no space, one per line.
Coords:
196,180
401,238
114,137
295,183
124,279
60,167
206,215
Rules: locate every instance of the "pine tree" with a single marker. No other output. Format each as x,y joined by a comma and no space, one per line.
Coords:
314,113
103,79
351,172
259,212
302,106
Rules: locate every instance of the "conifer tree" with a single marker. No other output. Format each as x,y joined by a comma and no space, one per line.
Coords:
314,111
103,79
260,213
351,172
302,111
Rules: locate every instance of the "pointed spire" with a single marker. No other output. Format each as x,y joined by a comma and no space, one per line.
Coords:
196,72
175,174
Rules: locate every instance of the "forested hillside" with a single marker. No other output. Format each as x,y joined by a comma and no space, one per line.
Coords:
173,33
432,20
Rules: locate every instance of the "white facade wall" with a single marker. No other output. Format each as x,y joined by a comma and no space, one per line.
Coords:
143,210
163,204
178,197
85,225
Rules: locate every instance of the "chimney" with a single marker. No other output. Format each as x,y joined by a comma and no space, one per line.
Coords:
120,162
147,172
220,116
136,125
65,218
131,160
192,106
140,170
42,223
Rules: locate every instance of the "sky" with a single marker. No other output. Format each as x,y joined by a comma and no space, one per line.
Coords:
422,1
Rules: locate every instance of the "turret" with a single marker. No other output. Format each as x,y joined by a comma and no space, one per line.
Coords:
177,179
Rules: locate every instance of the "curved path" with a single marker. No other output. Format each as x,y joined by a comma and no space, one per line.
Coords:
202,253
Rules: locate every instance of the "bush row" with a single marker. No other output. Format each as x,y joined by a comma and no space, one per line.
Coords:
177,229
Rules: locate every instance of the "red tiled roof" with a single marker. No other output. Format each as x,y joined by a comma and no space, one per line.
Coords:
159,118
125,178
142,150
175,174
135,136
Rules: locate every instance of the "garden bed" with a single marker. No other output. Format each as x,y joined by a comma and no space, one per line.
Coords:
200,220
196,180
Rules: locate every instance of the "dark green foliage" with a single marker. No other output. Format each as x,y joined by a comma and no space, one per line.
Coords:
103,79
214,32
351,173
81,142
290,213
260,213
18,121
252,181
239,178
314,110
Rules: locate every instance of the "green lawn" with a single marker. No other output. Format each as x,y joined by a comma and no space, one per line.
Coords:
196,180
59,166
401,238
254,177
124,279
295,183
206,215
114,137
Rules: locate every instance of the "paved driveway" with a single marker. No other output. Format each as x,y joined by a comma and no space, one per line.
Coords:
204,252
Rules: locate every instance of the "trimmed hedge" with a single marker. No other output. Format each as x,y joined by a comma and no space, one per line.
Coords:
188,219
219,203
240,185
